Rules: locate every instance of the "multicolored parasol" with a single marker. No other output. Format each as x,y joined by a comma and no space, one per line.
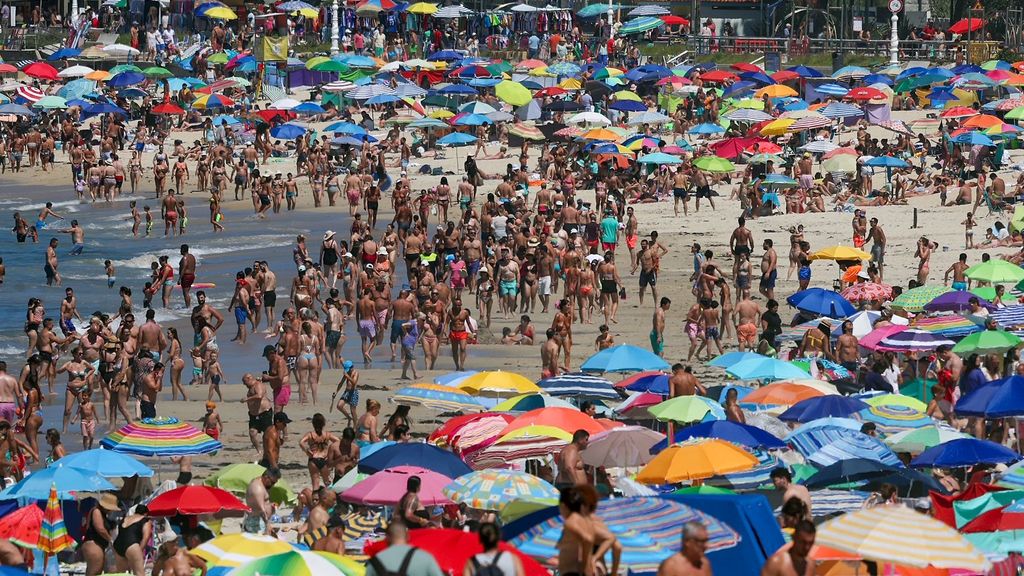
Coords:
233,550
496,489
867,291
160,437
893,418
53,535
949,325
437,397
301,563
22,526
914,300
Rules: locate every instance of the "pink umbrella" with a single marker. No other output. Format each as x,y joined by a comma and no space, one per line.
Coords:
387,487
871,340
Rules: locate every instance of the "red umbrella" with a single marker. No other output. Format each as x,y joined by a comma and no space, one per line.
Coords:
967,25
6,68
865,93
453,548
550,91
746,67
959,112
995,520
194,500
453,425
718,76
763,148
733,147
168,108
785,76
673,20
839,152
269,115
22,526
40,70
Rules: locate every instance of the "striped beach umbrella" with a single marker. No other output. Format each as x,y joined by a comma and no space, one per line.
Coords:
53,536
949,326
160,437
901,536
499,454
892,419
526,132
234,550
838,110
496,489
813,436
855,445
917,440
437,397
812,121
579,385
913,340
30,93
914,300
212,101
301,563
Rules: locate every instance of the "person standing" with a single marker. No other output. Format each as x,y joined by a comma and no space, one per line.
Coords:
186,274
690,561
658,327
792,560
878,239
570,461
769,269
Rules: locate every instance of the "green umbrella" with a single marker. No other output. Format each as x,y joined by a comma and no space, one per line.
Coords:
918,440
330,66
51,102
995,271
499,68
986,292
703,489
591,10
124,68
684,409
218,58
914,300
236,478
640,25
157,72
714,164
512,93
1015,114
986,341
765,158
301,563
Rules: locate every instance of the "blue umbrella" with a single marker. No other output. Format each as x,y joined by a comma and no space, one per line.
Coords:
886,162
850,72
132,93
996,399
382,99
628,106
225,119
805,71
484,82
759,77
861,469
973,138
832,89
104,108
967,69
822,407
457,89
287,131
106,463
126,78
730,358
738,88
345,128
838,110
346,140
706,128
64,53
415,454
939,95
822,302
765,369
854,445
473,120
877,79
308,108
964,452
564,69
659,158
445,55
76,89
624,358
456,139
814,435
579,385
655,383
78,102
749,436
67,479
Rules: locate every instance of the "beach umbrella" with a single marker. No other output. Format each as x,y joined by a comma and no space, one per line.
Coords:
165,436
892,419
896,400
659,159
425,8
127,78
987,342
69,481
566,420
819,146
730,358
453,548
687,409
40,70
832,89
853,445
1000,398
195,500
1000,519
848,471
655,382
22,526
973,138
741,434
387,487
53,534
896,534
105,463
497,489
706,128
747,115
814,435
785,393
497,383
965,25
917,440
212,101
579,385
822,407
964,452
653,525
625,446
696,460
512,93
955,301
714,164
168,108
867,291
995,271
74,71
287,131
912,340
308,108
15,110
415,454
648,10
51,103
766,369
822,302
301,563
533,401
437,397
623,358
104,108
236,478
63,53
456,139
914,300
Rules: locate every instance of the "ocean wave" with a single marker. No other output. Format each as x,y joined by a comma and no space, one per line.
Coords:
224,246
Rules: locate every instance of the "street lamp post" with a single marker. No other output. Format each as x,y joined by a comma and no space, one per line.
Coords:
74,13
894,39
334,28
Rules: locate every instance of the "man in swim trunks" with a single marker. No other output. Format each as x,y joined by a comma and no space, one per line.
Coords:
260,409
957,269
679,191
769,270
658,327
459,335
77,238
277,377
741,242
747,315
366,315
186,274
169,212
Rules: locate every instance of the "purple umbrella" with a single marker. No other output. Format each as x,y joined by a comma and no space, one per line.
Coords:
956,301
913,340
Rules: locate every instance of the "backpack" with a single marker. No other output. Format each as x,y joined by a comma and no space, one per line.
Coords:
380,570
491,569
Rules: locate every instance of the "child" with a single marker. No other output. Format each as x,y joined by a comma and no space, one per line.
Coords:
349,400
197,367
80,187
605,339
212,425
87,412
135,218
147,295
149,220
214,375
969,224
111,276
410,337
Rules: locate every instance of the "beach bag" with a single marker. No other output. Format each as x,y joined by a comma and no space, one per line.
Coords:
488,570
380,570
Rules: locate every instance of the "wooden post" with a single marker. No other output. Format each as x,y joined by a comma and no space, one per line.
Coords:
915,218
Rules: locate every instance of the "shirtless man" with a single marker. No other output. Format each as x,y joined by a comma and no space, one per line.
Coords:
273,438
679,192
260,409
277,377
10,395
459,334
747,315
69,312
151,335
50,266
334,540
549,356
769,269
186,274
683,382
269,288
402,310
741,242
658,327
152,384
960,281
77,238
792,560
570,461
169,212
257,498
690,561
847,352
783,481
877,236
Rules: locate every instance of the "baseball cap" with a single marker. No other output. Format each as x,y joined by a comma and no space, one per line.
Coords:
282,417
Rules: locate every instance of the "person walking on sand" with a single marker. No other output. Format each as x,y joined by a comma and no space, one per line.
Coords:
878,239
658,327
769,269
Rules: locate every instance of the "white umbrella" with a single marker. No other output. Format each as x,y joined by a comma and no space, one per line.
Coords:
452,12
524,8
589,118
285,104
819,146
338,86
368,91
622,447
647,118
648,10
74,72
120,49
11,86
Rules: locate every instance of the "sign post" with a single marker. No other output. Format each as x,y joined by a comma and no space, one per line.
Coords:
895,6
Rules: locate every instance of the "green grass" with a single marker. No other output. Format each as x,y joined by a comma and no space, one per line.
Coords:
822,60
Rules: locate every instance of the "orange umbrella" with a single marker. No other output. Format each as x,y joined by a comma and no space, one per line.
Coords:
565,419
981,121
782,393
695,460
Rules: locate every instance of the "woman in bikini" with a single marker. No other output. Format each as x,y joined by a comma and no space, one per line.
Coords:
485,297
80,373
317,445
444,199
308,362
924,255
366,426
429,339
796,236
31,417
180,174
177,364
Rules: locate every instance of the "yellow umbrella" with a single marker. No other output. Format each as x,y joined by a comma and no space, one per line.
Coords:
442,114
897,400
98,75
221,13
601,134
898,535
627,95
840,253
536,431
777,127
540,71
498,383
316,60
310,12
570,84
422,8
776,91
696,460
512,93
612,72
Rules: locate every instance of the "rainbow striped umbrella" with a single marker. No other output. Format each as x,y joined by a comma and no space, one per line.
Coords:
892,418
234,550
438,397
301,563
648,528
53,536
950,326
211,101
496,489
160,437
